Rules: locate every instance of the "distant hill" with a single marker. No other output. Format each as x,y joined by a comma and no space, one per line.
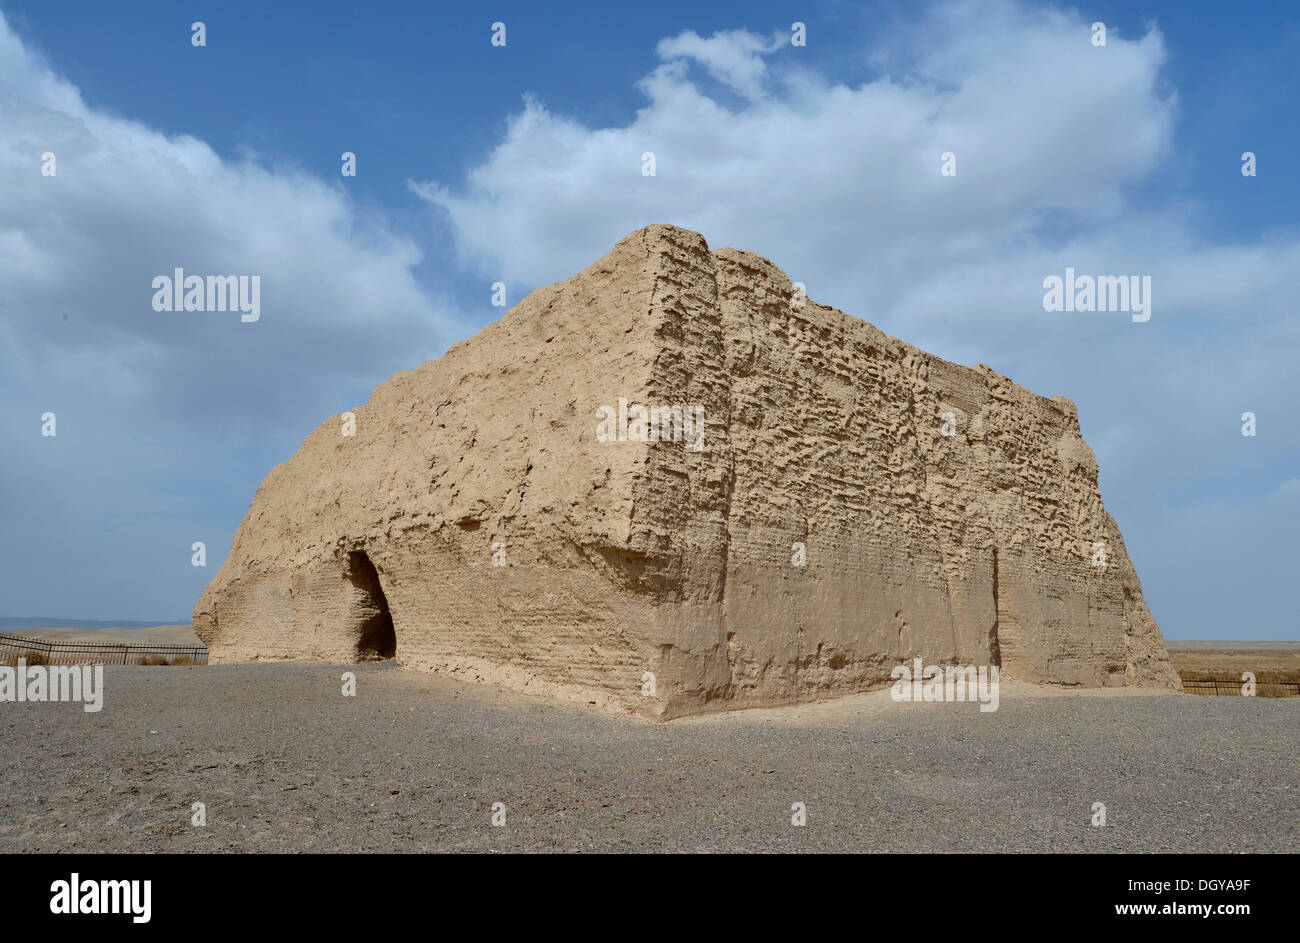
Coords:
1234,645
17,623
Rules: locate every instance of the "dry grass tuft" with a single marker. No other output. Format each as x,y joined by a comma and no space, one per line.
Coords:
32,658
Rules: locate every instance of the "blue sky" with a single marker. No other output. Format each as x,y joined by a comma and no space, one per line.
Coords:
521,164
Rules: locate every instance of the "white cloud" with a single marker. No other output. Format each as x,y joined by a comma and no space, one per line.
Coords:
733,57
1044,127
129,203
839,184
152,407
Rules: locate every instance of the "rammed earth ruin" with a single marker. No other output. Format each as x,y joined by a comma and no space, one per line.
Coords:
961,541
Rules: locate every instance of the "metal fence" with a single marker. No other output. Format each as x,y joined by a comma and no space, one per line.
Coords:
13,647
1235,687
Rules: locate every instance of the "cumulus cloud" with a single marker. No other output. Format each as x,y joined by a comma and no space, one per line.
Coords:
155,409
840,185
733,57
1046,130
161,416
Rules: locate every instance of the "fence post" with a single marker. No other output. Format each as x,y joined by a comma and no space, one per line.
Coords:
107,653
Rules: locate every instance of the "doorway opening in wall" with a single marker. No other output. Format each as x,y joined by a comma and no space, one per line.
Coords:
376,638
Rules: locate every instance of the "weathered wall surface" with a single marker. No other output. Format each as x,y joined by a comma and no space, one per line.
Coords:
492,443
974,548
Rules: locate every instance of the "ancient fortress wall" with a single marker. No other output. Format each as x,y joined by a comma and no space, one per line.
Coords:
973,548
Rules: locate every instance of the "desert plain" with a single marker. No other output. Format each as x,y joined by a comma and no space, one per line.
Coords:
282,761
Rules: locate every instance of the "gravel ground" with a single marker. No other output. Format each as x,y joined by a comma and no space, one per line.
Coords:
283,762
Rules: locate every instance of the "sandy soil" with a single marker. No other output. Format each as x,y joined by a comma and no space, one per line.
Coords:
1235,645
158,635
284,762
1227,659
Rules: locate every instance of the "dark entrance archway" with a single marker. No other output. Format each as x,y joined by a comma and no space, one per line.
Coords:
376,638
